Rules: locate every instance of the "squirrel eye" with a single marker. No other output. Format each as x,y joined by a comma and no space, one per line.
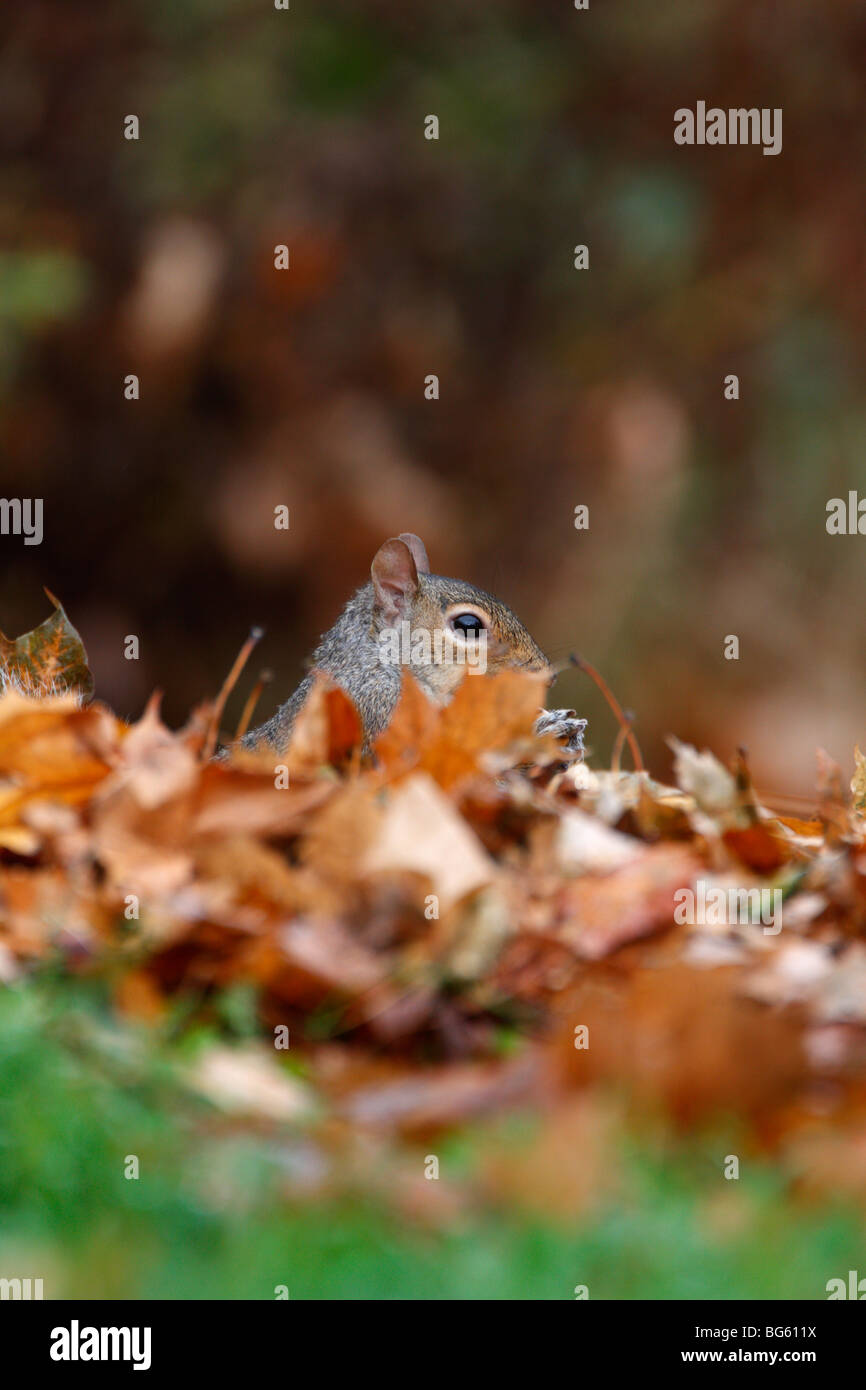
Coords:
468,624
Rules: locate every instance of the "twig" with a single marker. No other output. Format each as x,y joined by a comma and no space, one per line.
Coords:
793,799
584,665
228,686
619,742
265,677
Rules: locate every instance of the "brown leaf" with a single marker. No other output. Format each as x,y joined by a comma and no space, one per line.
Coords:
757,847
323,953
228,802
603,913
154,764
49,660
487,714
50,751
684,1038
422,832
444,1096
325,732
411,729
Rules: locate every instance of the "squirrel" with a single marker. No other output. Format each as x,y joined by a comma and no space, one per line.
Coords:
406,617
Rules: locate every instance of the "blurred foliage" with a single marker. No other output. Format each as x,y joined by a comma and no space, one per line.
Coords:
209,1220
604,387
39,287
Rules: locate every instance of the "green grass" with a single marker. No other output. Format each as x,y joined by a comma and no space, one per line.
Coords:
206,1218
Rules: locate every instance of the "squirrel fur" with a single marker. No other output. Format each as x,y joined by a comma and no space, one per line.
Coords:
402,590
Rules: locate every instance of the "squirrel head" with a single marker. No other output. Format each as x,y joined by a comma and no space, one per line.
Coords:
441,628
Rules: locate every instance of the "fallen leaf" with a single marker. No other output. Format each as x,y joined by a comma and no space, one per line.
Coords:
245,1081
603,912
446,1096
422,832
48,660
704,778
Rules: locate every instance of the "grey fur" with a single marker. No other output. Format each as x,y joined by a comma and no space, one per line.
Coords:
349,653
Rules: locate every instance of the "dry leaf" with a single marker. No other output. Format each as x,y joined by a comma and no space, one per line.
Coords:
422,832
48,660
246,1081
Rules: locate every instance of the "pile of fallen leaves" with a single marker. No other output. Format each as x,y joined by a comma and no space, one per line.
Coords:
462,924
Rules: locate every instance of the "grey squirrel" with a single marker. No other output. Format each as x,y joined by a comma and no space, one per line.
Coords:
408,618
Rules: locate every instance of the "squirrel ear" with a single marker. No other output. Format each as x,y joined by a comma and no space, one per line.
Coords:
419,554
395,578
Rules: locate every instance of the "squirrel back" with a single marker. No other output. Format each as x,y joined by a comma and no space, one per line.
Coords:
407,618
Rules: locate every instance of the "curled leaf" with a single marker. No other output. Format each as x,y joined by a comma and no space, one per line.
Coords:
50,660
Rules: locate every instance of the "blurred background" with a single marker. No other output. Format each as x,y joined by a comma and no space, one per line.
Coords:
455,257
